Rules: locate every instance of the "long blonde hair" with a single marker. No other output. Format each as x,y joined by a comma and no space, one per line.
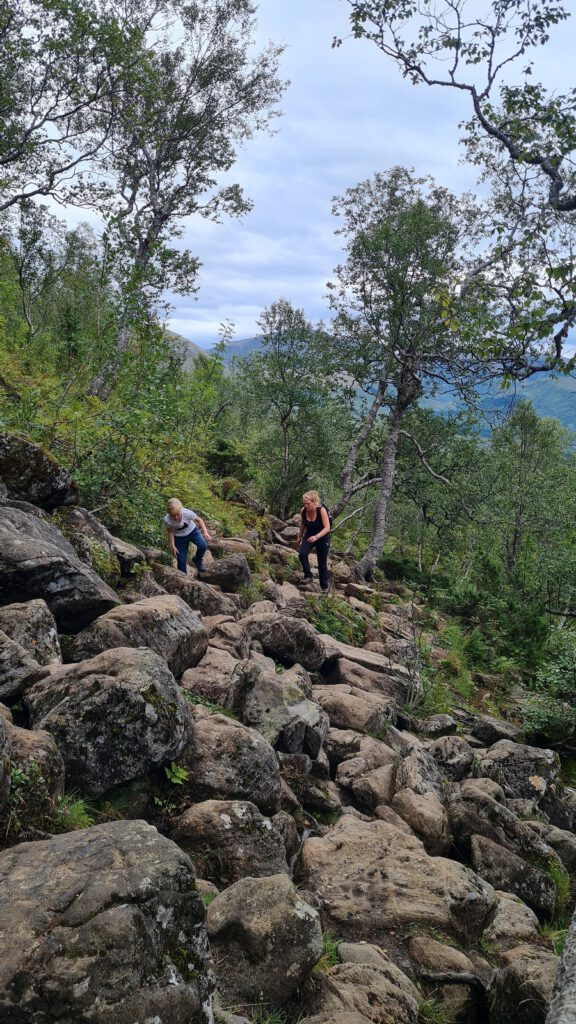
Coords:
313,496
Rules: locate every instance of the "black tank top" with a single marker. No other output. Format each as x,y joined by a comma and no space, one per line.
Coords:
313,527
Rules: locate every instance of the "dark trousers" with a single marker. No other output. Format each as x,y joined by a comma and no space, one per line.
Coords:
182,545
321,547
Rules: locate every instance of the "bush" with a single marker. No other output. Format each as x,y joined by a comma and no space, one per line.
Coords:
334,616
547,707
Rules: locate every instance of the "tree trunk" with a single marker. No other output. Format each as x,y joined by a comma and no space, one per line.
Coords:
104,381
563,1003
352,456
364,569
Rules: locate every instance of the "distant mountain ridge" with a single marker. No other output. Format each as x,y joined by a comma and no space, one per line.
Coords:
552,396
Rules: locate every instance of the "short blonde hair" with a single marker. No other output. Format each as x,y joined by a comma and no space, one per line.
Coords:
174,504
313,496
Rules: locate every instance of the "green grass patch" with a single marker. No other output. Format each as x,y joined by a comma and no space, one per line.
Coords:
193,698
72,813
334,616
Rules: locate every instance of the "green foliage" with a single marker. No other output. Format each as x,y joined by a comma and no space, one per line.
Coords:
208,897
194,698
547,708
71,813
176,774
554,935
434,1011
29,803
334,616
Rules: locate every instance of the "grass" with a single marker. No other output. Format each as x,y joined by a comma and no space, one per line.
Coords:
208,897
71,814
554,933
334,616
329,956
193,698
434,1011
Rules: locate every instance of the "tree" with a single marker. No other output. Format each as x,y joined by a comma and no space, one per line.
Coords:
523,140
197,95
62,66
448,46
292,427
390,338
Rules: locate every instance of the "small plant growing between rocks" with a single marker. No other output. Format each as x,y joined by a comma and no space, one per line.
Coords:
194,698
71,814
176,774
334,616
434,1011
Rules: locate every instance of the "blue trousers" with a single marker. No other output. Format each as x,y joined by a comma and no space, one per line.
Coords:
182,545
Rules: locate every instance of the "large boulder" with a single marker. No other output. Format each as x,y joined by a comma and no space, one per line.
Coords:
114,717
215,678
370,877
523,772
505,870
513,922
226,760
16,666
29,473
374,989
164,624
427,817
265,939
278,708
349,708
32,625
523,987
96,545
475,812
199,596
286,639
453,755
230,573
36,561
390,682
102,925
230,839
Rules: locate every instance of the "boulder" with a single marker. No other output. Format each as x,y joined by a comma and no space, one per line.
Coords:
114,717
215,678
473,812
102,925
226,760
490,730
513,922
164,624
524,772
198,595
230,573
436,726
505,870
427,817
286,639
349,708
265,939
32,625
277,707
522,989
36,561
375,991
228,840
372,755
336,649
29,473
370,877
391,682
16,666
95,544
453,755
420,773
375,787
562,842
40,767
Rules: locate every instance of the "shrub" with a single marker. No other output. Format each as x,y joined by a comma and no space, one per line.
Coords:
334,616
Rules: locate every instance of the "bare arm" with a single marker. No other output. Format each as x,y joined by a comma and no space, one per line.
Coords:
301,530
202,527
171,541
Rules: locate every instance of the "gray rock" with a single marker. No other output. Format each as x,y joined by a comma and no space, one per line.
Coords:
278,708
522,989
453,755
114,717
490,730
370,877
102,925
5,754
375,991
29,473
437,725
427,817
265,939
561,840
226,760
215,678
35,754
352,709
473,812
90,538
505,870
513,922
230,573
36,561
286,639
524,772
16,666
420,773
228,840
32,625
164,624
197,594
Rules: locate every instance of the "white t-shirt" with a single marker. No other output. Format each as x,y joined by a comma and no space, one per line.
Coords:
185,525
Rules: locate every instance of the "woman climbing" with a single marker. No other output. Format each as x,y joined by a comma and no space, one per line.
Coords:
314,534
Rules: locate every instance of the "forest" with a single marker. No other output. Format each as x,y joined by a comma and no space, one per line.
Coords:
136,113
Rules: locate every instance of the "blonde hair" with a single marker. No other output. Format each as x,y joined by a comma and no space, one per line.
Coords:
313,496
174,504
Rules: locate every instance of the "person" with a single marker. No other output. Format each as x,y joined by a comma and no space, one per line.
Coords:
185,527
314,533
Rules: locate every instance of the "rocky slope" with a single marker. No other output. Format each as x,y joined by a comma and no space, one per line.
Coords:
277,834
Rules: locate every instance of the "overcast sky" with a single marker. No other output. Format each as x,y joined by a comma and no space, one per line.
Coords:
346,114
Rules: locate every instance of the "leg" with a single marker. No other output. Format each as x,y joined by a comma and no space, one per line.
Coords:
303,552
201,546
182,545
322,548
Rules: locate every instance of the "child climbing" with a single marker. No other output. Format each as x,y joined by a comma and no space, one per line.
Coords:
185,527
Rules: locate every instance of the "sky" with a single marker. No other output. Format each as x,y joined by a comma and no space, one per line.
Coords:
346,114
